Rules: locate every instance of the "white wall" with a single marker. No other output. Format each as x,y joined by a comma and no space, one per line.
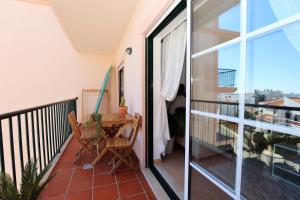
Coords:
38,64
146,14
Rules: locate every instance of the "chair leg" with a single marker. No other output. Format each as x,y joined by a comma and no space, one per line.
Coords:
126,155
99,156
79,152
121,158
78,155
116,166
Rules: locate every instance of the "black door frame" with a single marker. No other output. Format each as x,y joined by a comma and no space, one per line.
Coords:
149,97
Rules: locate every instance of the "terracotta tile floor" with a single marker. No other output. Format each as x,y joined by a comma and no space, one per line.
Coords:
72,182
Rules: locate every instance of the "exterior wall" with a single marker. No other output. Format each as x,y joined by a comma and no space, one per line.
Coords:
147,13
38,64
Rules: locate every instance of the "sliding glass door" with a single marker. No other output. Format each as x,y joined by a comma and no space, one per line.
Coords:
244,99
166,100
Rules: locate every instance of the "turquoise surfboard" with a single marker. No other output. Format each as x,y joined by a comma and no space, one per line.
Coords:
104,84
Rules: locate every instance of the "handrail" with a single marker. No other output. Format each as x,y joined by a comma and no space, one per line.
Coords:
248,105
45,129
226,77
26,110
222,70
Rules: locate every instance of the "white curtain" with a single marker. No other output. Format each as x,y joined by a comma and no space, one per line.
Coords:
173,51
283,9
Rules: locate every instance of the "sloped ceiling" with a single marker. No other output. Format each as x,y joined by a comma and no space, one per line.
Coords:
43,2
94,26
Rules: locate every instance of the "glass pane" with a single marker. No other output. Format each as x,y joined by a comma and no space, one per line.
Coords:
214,22
214,146
273,72
264,12
271,163
203,189
215,79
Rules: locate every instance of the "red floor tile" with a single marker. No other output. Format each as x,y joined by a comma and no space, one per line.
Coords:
56,197
145,185
126,175
81,195
72,182
140,174
103,179
80,172
106,192
63,165
85,158
61,175
81,183
137,197
150,195
101,168
53,189
129,188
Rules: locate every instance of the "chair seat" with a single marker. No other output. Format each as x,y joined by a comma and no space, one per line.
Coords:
118,143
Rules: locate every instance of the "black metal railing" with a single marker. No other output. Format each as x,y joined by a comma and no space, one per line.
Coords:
226,77
39,131
281,115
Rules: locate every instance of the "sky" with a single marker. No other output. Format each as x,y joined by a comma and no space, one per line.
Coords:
272,60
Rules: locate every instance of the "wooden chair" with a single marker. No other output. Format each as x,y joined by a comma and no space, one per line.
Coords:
121,147
87,145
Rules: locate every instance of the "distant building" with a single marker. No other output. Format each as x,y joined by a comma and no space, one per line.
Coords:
289,117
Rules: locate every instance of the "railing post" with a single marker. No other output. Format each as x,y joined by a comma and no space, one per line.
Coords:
20,143
1,149
38,138
43,137
12,150
33,136
27,136
45,134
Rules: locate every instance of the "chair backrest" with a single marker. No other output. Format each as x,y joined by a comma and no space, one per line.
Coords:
72,120
77,135
135,128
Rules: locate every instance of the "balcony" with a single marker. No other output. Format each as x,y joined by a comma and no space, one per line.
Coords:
71,181
236,114
45,136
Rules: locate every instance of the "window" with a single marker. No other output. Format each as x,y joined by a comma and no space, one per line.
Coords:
245,98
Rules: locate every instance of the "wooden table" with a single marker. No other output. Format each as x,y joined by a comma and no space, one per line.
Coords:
113,119
111,124
90,133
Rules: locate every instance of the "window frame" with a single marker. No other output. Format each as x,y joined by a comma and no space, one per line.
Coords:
121,86
240,120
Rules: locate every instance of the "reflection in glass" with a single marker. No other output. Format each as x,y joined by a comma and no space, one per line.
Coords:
272,79
271,164
214,146
264,12
215,80
220,24
203,189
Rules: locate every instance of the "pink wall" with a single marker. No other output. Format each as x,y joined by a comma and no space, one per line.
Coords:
146,14
38,63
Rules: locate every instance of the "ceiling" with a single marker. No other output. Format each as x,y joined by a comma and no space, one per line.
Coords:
94,26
